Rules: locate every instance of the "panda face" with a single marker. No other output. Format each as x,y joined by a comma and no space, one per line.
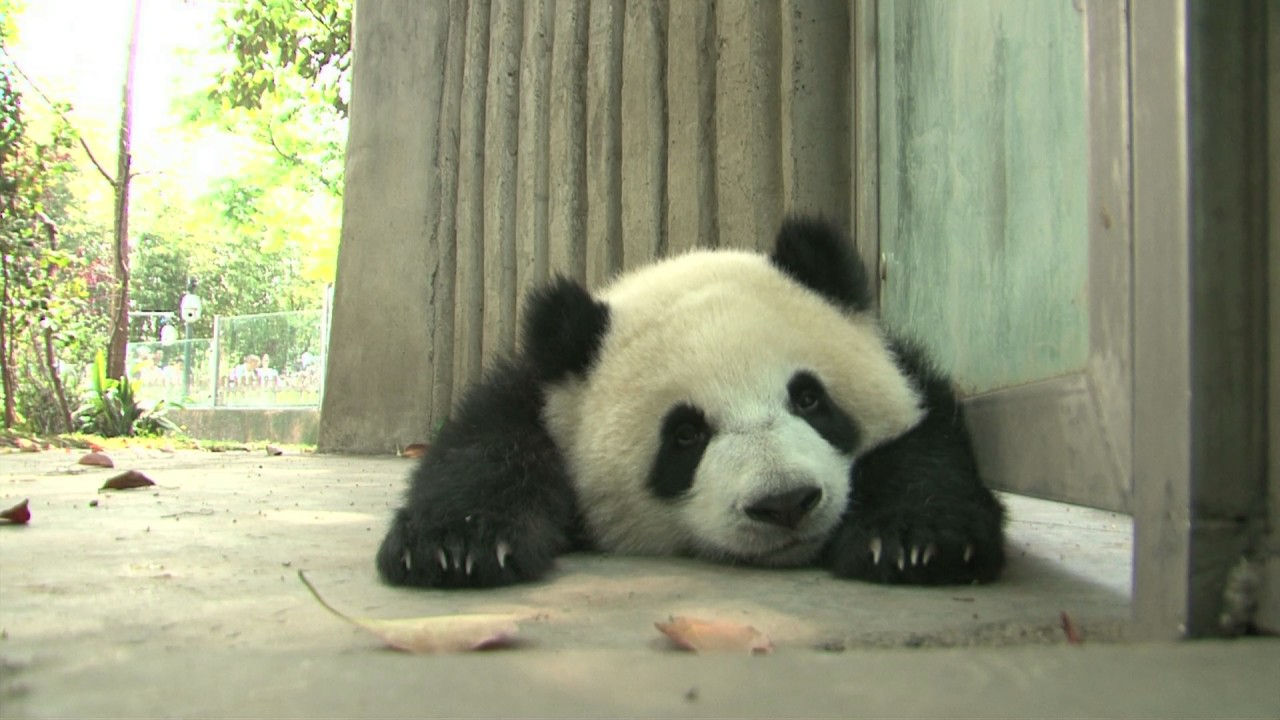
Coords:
724,412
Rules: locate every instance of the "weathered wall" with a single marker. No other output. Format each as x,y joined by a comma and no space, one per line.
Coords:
496,142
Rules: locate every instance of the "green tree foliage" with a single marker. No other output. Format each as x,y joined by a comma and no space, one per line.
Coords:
281,45
285,84
43,283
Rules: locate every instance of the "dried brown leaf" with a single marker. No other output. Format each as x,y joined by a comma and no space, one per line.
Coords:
438,634
28,446
1070,630
19,514
714,635
127,481
97,459
414,451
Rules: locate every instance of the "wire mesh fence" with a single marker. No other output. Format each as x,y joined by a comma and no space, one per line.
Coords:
252,361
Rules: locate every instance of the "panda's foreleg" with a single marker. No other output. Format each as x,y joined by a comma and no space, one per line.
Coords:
918,511
490,503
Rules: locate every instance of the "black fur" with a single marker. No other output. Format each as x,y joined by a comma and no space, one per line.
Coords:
493,477
919,490
684,437
817,255
563,330
826,418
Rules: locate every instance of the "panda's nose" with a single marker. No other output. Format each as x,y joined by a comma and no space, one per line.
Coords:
785,509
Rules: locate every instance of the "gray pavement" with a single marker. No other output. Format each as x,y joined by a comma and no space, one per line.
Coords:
183,600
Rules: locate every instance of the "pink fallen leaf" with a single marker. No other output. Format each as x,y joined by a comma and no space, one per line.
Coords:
437,634
96,459
714,635
414,451
19,514
127,481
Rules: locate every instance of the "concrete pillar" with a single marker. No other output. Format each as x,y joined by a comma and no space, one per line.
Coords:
494,143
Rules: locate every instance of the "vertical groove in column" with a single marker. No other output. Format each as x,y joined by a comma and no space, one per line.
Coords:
568,209
748,120
502,130
469,310
692,47
446,217
864,139
437,19
533,155
604,141
707,154
815,109
644,132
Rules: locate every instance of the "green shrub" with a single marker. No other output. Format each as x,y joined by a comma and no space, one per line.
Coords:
112,410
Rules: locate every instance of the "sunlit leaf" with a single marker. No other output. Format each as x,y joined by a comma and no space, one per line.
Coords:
714,635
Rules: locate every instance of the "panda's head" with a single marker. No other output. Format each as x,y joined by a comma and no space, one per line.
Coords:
714,404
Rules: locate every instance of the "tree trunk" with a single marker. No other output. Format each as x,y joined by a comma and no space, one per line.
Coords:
118,344
10,384
51,357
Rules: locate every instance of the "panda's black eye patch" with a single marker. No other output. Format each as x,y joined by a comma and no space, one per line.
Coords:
810,402
684,435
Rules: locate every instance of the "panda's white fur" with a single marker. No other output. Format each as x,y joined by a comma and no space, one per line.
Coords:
723,331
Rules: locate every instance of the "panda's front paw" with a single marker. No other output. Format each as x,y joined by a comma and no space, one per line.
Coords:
918,553
475,552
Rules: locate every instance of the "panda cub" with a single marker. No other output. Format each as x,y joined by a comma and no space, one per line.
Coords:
727,405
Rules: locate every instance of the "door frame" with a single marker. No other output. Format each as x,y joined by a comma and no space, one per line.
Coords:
1169,420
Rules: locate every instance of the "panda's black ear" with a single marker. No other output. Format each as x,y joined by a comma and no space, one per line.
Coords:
818,256
563,329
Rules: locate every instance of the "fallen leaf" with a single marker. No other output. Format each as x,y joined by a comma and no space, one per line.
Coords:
19,514
438,634
714,635
97,459
416,450
273,450
96,447
27,446
128,480
1070,630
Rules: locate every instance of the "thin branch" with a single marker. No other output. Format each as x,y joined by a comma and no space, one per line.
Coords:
54,107
312,11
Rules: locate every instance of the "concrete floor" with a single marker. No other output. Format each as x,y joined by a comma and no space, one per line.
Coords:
183,600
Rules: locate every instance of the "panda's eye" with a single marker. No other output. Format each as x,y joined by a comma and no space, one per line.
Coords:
688,435
807,394
807,401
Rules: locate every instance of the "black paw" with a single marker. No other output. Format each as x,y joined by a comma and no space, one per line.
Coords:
918,551
476,552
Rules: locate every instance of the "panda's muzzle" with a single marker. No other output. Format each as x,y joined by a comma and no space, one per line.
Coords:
785,509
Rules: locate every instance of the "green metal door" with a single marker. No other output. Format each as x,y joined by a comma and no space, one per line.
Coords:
1002,176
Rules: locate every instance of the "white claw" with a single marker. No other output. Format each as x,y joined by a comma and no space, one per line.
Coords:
407,560
470,562
444,559
902,559
457,562
968,552
915,555
876,547
929,552
504,550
